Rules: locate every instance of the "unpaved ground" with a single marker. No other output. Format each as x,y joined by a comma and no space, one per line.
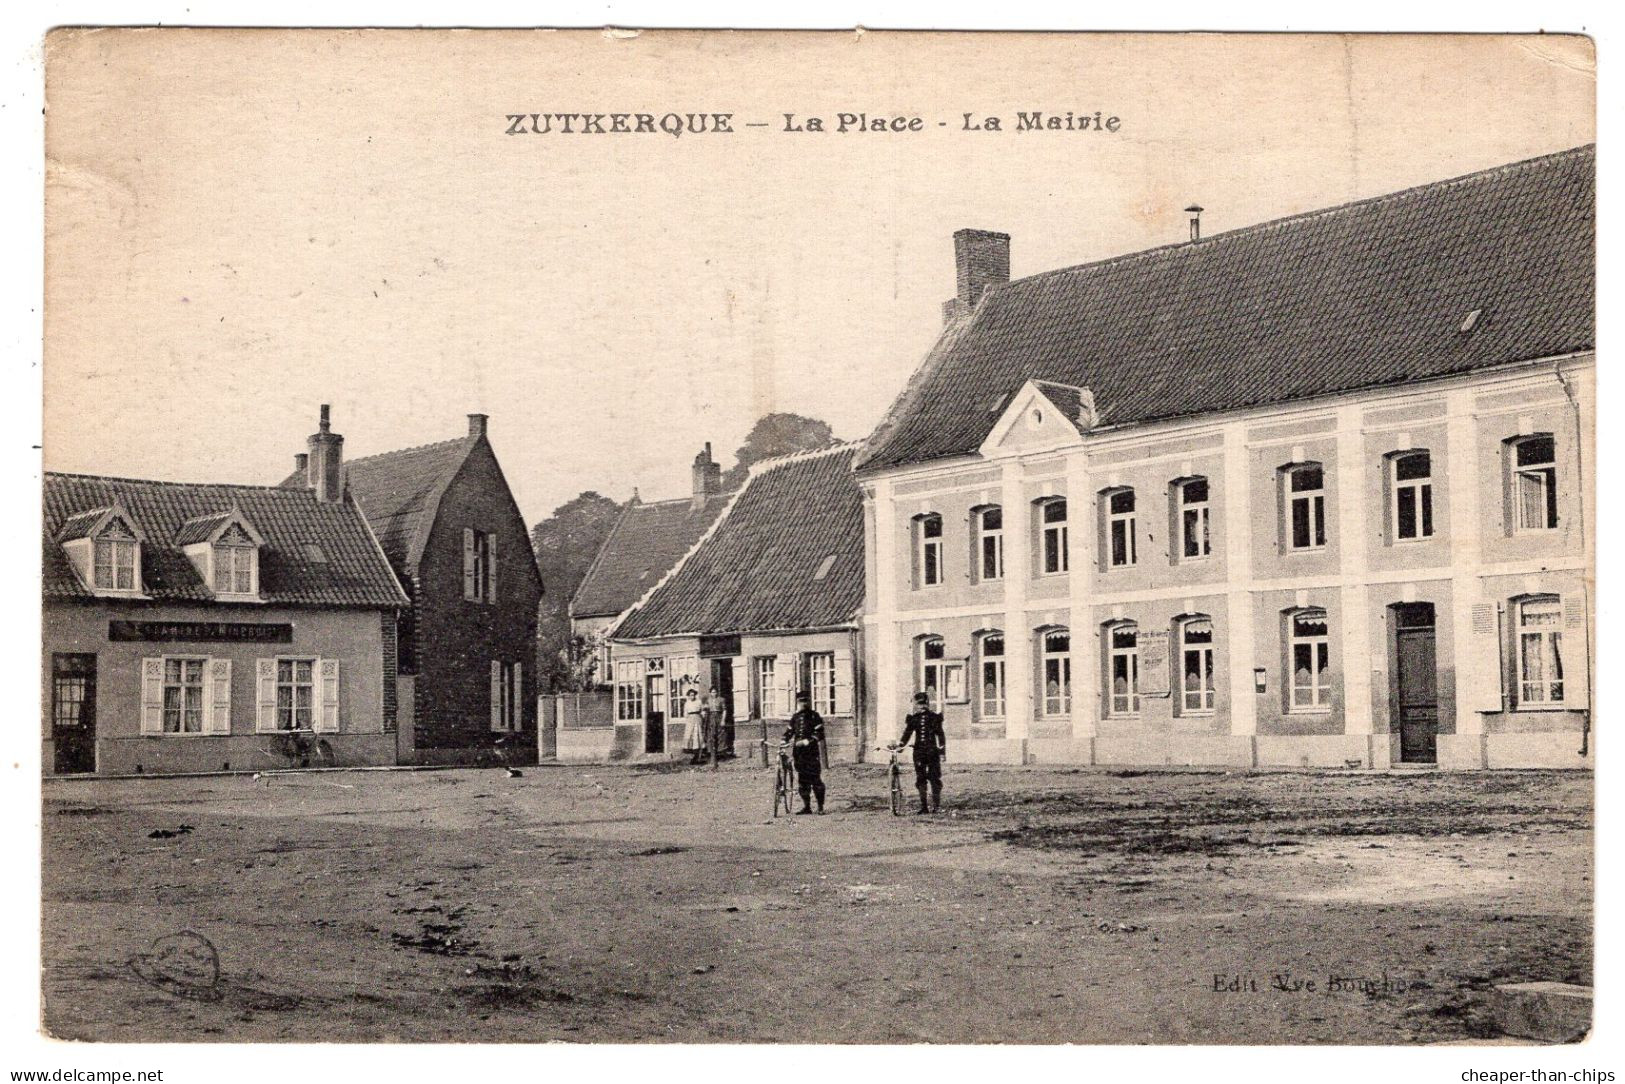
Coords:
634,905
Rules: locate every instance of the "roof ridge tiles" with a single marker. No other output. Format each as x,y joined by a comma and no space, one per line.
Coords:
435,444
169,482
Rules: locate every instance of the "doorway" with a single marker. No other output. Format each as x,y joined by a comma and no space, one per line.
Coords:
1416,681
722,680
654,719
73,712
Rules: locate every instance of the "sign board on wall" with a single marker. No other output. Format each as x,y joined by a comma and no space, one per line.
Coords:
199,632
1155,679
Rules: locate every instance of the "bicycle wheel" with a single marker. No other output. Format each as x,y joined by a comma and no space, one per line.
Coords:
781,793
896,793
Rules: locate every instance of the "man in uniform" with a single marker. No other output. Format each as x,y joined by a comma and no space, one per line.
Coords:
930,750
806,732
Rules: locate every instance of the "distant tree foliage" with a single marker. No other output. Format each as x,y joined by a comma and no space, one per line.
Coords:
566,543
775,435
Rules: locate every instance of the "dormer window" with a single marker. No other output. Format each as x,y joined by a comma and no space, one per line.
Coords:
115,564
225,550
104,547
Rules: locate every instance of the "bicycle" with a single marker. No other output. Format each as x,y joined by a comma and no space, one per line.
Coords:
895,771
784,781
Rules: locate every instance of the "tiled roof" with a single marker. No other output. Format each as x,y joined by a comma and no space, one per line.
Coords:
354,572
758,569
199,528
1364,295
79,524
400,491
645,542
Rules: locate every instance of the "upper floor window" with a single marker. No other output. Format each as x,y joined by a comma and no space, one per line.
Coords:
1196,665
114,564
989,543
1121,528
1055,661
928,550
234,569
991,646
1192,510
1540,652
1305,498
1309,655
1533,482
1411,484
1123,669
479,565
1052,536
933,663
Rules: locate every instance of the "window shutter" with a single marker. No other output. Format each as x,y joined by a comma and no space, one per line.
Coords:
786,675
468,562
152,696
496,695
741,669
218,720
327,721
265,719
489,592
518,696
845,680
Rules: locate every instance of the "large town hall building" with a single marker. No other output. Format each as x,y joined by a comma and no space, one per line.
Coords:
1313,492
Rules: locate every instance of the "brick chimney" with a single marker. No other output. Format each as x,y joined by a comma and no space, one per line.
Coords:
981,260
326,462
707,477
301,466
476,424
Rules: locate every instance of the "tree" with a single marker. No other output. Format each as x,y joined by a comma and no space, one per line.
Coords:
775,435
566,543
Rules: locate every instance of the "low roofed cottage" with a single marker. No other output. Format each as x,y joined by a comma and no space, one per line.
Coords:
765,606
193,627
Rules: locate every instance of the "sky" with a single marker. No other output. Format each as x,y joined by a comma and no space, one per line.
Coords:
243,225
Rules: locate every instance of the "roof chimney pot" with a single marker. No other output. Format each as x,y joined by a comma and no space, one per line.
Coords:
1196,221
476,424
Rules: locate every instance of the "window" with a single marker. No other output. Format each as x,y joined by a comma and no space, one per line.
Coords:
1309,654
295,694
1121,544
629,690
928,550
1190,500
1306,506
821,682
115,564
762,673
989,543
506,696
234,570
183,696
1052,536
1540,652
1055,662
1123,669
992,675
1411,482
932,662
1534,483
479,565
1196,665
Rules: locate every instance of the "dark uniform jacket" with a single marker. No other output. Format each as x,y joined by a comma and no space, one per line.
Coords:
806,723
925,727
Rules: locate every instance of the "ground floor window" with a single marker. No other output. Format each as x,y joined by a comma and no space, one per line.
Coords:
763,673
1540,652
295,694
1309,654
1196,694
629,691
932,668
507,681
821,682
1057,672
1123,669
992,675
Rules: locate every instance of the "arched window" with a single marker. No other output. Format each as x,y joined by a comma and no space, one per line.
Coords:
990,651
1052,558
989,531
1191,525
1309,656
1410,487
1532,482
931,653
1122,527
1196,695
1123,669
928,550
1540,651
1055,671
1303,495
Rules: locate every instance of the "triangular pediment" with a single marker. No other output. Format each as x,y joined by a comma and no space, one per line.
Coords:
1041,417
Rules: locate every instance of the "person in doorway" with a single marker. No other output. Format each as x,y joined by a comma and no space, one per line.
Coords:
924,727
716,718
806,735
694,726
